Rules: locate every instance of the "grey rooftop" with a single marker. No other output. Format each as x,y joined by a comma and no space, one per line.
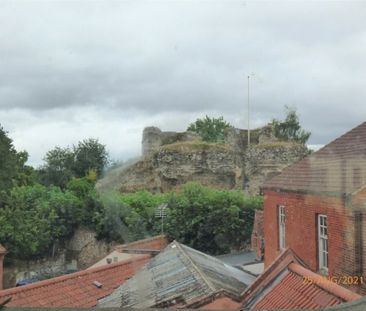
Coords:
178,275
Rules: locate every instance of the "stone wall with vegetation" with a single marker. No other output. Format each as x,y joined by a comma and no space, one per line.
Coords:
265,160
170,159
81,251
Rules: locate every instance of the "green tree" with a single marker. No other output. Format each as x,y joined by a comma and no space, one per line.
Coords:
129,216
91,204
63,164
35,218
213,221
290,129
111,221
210,129
13,170
58,169
90,155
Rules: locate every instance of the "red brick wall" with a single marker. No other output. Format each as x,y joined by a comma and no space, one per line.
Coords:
301,230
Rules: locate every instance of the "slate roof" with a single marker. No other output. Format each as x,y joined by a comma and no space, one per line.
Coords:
178,275
74,290
283,286
336,169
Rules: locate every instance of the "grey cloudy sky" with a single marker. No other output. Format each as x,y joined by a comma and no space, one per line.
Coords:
70,70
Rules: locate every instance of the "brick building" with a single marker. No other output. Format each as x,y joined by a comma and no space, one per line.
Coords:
317,208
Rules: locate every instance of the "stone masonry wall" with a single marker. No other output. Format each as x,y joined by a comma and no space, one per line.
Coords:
82,251
40,269
265,160
171,159
153,138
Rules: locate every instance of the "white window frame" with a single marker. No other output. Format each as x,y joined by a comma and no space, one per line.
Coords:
281,227
323,246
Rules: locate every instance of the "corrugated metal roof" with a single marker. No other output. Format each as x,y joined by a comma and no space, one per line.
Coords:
178,273
338,168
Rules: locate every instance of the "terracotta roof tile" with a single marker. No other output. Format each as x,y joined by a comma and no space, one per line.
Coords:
282,286
292,293
337,168
76,289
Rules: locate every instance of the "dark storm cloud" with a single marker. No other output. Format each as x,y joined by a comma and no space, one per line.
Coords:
136,63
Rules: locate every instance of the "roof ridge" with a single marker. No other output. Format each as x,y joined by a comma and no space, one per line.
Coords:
202,274
324,283
286,257
339,137
156,237
65,277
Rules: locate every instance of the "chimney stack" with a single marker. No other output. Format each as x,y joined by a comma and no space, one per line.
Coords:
2,255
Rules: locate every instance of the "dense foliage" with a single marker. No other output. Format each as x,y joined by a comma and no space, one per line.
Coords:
36,218
210,129
213,221
290,129
13,170
39,217
210,220
62,164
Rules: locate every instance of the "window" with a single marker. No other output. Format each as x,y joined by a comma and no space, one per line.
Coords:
323,243
281,227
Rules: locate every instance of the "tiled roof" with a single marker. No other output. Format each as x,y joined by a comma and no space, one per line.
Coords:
178,275
338,168
284,286
153,243
76,289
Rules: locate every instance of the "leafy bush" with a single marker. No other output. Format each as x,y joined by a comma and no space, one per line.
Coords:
63,164
129,216
290,129
13,170
35,218
212,221
210,129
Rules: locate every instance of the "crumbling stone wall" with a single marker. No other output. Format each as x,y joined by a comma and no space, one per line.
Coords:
171,159
237,139
86,249
81,251
40,269
265,160
153,138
